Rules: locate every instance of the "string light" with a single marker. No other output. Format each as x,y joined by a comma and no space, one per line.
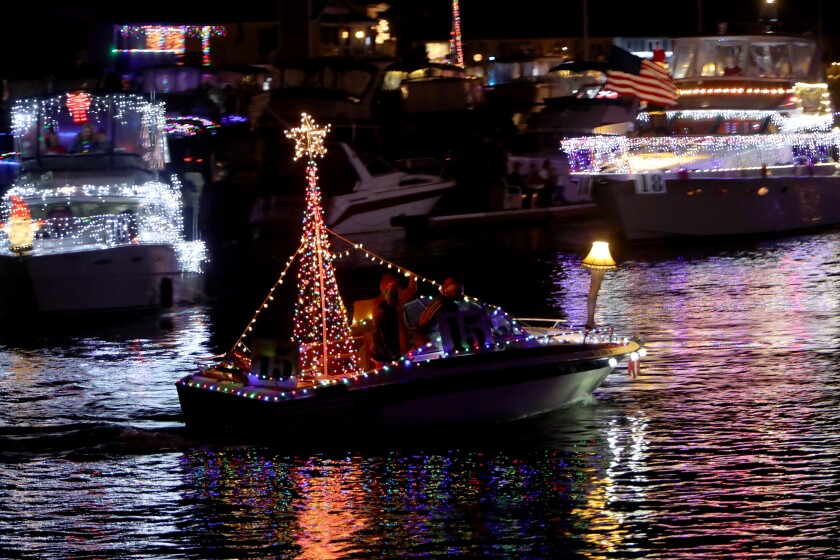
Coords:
622,154
455,43
172,39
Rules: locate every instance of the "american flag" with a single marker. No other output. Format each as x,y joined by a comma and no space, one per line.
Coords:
628,74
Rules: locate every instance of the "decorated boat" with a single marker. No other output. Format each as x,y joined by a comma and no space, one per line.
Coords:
480,365
749,149
91,223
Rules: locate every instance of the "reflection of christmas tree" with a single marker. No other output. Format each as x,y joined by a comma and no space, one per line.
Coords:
320,330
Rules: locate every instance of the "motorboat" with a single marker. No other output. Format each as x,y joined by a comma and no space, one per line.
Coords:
749,149
481,365
577,103
581,104
361,194
93,225
510,374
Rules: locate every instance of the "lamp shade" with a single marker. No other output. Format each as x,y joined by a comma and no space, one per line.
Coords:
599,257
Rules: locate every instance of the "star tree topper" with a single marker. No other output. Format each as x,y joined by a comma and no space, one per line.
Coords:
308,137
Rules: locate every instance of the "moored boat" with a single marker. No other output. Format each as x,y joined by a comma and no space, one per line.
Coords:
359,195
748,150
91,225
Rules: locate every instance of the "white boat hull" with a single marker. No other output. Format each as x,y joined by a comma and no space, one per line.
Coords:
355,214
109,279
493,404
509,383
644,207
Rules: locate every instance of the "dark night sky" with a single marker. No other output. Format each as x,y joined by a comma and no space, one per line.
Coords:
40,27
482,19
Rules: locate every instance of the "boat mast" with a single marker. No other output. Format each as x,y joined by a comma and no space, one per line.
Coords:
321,329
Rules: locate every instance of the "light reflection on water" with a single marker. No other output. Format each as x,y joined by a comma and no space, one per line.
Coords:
725,446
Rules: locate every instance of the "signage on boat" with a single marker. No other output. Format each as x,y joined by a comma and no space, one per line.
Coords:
584,185
273,359
465,329
651,183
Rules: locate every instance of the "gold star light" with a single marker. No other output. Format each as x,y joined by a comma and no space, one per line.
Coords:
308,137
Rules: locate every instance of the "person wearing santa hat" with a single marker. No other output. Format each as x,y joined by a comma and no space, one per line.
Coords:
451,292
390,333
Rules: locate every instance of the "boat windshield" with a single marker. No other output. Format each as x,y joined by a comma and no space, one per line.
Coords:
52,132
749,57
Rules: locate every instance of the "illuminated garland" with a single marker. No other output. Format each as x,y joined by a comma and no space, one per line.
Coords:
171,39
803,138
619,154
188,30
189,126
159,219
455,44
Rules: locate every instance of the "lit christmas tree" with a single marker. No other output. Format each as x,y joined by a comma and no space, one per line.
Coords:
320,322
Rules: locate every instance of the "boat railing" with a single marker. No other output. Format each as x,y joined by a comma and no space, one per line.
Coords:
623,155
558,329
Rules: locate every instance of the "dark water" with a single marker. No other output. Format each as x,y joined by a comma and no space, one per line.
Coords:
726,446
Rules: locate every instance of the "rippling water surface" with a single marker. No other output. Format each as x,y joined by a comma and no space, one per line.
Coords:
726,446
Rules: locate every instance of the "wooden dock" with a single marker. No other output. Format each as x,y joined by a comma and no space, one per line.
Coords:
497,217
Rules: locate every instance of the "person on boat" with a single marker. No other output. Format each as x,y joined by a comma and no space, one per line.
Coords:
547,194
534,182
390,333
85,141
659,55
731,68
515,178
52,145
427,330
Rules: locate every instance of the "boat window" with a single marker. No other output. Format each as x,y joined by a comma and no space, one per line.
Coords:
760,61
803,54
722,59
376,165
682,63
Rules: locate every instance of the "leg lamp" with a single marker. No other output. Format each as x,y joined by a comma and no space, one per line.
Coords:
598,261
